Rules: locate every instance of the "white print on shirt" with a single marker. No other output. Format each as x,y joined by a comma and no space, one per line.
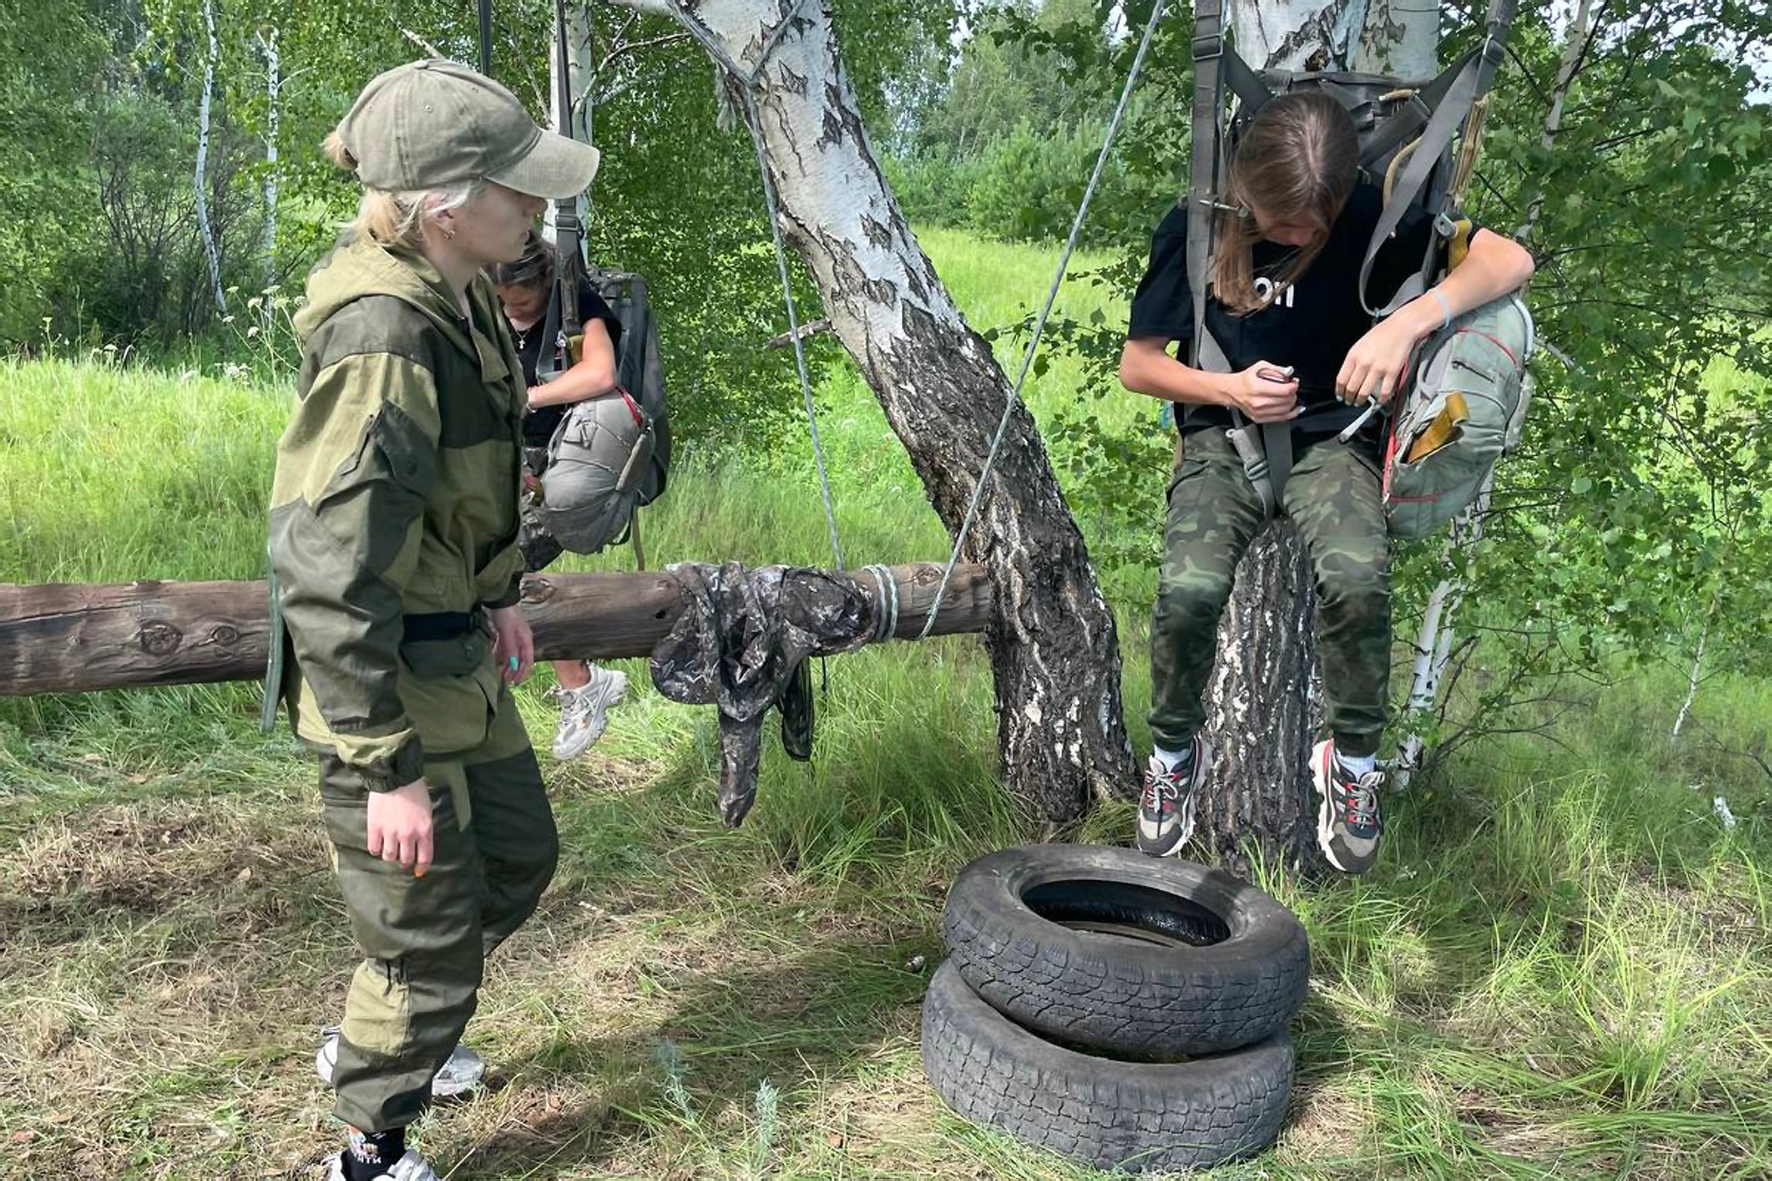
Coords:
1264,291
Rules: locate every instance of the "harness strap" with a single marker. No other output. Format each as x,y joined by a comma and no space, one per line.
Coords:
1424,158
1451,96
568,254
1266,453
486,37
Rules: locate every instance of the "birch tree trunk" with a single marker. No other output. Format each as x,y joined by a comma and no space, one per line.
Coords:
1694,678
1399,39
211,250
1262,712
1053,645
273,82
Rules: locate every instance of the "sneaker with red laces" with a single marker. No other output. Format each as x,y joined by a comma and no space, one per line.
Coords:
1348,821
1166,805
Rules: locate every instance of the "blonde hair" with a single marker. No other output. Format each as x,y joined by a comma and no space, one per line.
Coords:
396,217
1297,161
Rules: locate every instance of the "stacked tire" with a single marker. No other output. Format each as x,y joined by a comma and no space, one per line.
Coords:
1125,1011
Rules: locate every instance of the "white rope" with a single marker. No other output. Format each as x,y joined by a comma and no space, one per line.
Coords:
885,602
1027,360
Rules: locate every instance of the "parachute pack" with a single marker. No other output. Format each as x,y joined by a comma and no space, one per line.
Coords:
610,455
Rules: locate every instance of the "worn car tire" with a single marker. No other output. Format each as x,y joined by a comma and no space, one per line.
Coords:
1108,949
1108,1113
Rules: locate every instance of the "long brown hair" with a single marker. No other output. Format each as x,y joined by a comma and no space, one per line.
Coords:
1298,160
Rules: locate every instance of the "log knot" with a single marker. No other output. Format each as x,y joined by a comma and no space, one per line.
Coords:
159,638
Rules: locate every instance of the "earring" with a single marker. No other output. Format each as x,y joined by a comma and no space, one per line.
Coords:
447,232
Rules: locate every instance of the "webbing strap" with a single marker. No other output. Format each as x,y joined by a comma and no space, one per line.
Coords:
1451,97
1407,123
486,37
1267,453
565,319
1245,83
1447,117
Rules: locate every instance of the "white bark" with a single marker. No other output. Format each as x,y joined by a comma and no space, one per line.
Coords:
1053,643
1581,33
273,81
1399,39
1433,642
1297,34
1691,684
203,227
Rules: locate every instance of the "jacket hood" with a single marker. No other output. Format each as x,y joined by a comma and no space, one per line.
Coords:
359,267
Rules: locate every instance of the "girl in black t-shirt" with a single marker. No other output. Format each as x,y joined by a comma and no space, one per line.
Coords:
1283,302
525,288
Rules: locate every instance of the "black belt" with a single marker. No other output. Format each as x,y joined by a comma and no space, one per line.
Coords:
440,625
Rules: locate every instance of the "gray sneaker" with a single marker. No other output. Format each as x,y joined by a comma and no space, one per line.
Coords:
410,1167
1166,805
1348,821
584,712
462,1073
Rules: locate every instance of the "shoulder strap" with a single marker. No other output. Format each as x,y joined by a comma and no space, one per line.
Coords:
1212,68
1451,96
1447,116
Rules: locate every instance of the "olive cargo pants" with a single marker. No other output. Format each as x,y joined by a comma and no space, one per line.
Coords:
1333,497
424,939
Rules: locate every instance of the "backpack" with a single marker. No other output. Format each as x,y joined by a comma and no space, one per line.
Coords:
1406,133
1466,405
610,455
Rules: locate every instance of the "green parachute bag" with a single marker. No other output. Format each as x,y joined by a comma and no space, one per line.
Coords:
1464,410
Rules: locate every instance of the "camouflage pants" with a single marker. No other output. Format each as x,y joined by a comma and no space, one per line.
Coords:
424,939
1214,514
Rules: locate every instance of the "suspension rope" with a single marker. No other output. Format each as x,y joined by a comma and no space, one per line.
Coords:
787,294
1027,360
748,80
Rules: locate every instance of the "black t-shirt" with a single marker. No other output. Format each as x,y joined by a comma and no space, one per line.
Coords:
1310,327
539,423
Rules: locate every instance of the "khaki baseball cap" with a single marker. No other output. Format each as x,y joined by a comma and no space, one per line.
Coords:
437,122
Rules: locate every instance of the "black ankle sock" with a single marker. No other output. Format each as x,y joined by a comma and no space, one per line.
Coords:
371,1154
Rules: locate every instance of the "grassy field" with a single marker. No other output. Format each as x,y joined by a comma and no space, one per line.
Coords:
1560,968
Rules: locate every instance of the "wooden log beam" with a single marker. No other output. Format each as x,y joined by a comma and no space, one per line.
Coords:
80,637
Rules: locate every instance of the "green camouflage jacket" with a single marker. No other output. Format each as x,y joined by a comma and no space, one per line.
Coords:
395,494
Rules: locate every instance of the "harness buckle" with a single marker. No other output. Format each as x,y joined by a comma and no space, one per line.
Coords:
1208,47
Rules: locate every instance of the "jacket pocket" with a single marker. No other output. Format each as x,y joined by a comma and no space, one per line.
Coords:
450,689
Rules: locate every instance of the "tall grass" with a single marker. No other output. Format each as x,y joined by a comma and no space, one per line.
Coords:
1560,968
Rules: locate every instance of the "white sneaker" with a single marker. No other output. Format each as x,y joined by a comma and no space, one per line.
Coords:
584,712
410,1167
462,1073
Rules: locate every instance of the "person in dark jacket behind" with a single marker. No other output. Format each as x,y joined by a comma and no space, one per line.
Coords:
393,540
525,288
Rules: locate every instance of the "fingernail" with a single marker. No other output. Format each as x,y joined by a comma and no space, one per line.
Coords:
513,664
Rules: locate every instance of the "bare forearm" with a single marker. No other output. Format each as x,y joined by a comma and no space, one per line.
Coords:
1156,373
1495,266
582,381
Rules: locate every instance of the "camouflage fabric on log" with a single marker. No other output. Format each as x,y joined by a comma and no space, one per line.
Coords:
741,643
